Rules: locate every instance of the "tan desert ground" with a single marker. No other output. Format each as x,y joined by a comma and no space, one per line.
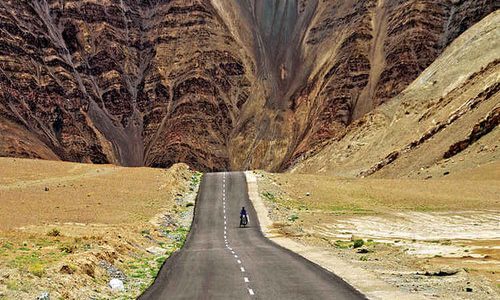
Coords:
68,228
435,238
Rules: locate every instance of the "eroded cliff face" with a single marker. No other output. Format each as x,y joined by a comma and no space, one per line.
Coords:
446,121
354,56
128,82
216,84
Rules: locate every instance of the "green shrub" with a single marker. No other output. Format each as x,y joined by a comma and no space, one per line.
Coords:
358,243
343,244
293,218
269,196
37,269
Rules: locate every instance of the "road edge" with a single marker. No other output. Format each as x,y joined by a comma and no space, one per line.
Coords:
362,280
164,271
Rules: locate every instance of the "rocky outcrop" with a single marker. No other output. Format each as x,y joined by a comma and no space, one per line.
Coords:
216,84
485,126
382,48
447,117
128,82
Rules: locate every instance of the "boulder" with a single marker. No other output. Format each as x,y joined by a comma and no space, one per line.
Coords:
43,296
116,285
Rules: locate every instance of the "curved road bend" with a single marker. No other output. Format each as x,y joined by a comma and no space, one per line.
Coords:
222,261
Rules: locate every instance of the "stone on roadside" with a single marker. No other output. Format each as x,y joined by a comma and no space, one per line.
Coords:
446,271
156,250
43,296
364,250
116,285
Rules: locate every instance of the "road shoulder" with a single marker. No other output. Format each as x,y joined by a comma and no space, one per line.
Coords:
362,280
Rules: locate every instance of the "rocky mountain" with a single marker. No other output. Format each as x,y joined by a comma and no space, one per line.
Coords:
216,84
445,122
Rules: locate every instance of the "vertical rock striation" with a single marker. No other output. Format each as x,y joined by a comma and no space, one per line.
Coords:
213,83
128,82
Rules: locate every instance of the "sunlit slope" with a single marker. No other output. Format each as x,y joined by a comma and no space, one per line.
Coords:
445,121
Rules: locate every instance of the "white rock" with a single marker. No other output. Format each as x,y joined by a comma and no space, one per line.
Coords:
156,250
43,296
116,284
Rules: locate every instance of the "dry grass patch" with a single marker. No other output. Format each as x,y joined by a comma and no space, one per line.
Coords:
68,228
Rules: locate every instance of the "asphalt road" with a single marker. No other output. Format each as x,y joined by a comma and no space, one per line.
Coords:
222,261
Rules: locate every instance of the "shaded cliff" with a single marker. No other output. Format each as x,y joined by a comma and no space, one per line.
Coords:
216,84
129,82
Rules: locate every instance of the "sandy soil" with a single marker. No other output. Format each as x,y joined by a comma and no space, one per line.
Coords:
68,228
434,238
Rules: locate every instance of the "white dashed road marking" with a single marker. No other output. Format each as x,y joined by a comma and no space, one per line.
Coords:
250,291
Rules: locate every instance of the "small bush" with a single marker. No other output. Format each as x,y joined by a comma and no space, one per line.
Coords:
68,269
54,232
293,218
343,244
189,204
358,243
67,249
37,269
269,196
196,179
12,285
8,246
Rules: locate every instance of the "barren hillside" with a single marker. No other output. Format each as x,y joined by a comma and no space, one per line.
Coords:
446,120
216,84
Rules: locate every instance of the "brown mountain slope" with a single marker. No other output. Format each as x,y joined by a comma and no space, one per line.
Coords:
353,56
216,84
130,82
446,120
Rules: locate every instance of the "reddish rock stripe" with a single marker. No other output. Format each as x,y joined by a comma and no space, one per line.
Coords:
207,82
